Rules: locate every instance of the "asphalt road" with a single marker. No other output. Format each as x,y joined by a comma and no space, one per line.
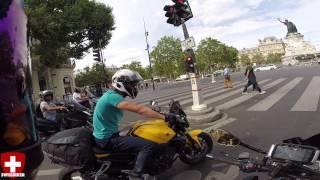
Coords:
288,109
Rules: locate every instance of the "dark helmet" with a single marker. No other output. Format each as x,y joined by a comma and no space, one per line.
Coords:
126,81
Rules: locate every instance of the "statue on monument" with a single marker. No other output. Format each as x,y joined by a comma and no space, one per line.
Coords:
290,26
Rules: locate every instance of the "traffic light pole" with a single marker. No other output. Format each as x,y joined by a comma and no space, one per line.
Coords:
198,104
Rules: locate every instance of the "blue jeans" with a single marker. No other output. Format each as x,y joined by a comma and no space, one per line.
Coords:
129,144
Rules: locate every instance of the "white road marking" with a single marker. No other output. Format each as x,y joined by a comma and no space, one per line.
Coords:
223,96
310,97
272,99
244,98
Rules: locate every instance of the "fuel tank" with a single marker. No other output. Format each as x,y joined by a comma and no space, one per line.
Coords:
156,131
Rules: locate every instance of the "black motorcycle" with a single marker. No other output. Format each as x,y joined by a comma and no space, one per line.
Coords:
293,159
76,115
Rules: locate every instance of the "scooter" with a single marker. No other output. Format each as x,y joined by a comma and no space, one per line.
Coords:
173,140
293,159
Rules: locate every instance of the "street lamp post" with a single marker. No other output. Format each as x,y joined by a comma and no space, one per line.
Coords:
150,68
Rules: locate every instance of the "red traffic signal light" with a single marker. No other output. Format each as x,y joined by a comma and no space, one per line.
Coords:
190,65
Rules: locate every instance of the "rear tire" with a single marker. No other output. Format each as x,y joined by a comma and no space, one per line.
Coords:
206,147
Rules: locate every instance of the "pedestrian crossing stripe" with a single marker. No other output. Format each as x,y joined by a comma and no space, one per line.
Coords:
310,97
272,99
227,93
224,99
216,90
244,98
237,91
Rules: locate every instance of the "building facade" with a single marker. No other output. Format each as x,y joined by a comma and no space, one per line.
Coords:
60,80
271,45
268,45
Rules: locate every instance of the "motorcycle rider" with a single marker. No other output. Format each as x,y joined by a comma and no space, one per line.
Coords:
79,98
49,109
108,113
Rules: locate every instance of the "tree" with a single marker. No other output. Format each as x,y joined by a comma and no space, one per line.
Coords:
67,29
274,58
89,76
136,66
231,56
258,58
169,59
208,54
244,59
212,54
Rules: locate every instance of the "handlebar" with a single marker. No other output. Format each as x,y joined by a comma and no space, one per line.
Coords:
273,170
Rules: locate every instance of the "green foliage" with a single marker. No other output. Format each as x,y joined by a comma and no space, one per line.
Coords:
212,54
67,29
274,58
136,66
93,75
244,59
258,58
169,59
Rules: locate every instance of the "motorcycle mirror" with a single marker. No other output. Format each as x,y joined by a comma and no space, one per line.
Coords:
223,137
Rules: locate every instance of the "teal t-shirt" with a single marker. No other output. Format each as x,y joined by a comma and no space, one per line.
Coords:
106,115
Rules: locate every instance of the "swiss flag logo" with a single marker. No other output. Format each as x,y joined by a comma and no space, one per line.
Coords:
12,163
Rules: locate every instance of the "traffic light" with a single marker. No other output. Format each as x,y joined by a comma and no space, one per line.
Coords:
96,55
190,65
170,14
178,13
183,10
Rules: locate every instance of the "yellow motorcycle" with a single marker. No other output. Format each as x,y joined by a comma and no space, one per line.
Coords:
174,140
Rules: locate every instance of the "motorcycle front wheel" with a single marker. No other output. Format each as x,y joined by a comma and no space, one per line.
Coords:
193,156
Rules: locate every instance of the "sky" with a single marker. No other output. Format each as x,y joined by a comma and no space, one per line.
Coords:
237,23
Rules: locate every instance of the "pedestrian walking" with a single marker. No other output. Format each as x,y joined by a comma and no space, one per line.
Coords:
227,78
251,77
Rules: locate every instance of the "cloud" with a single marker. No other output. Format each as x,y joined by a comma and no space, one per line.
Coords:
239,23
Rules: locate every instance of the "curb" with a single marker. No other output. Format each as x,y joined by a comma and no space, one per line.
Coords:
208,126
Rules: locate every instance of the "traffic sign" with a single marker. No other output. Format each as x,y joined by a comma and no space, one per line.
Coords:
188,44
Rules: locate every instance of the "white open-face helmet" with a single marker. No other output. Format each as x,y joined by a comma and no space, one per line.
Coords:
126,81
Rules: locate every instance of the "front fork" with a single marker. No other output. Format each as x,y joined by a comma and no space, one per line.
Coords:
194,139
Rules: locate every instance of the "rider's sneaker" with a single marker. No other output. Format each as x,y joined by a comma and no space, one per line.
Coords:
244,93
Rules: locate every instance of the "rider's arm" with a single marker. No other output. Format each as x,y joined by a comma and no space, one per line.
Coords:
140,109
46,107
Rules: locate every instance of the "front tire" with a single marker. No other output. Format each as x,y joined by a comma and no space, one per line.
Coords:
192,157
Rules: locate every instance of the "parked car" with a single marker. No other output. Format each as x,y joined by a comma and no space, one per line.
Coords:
266,67
218,72
183,77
